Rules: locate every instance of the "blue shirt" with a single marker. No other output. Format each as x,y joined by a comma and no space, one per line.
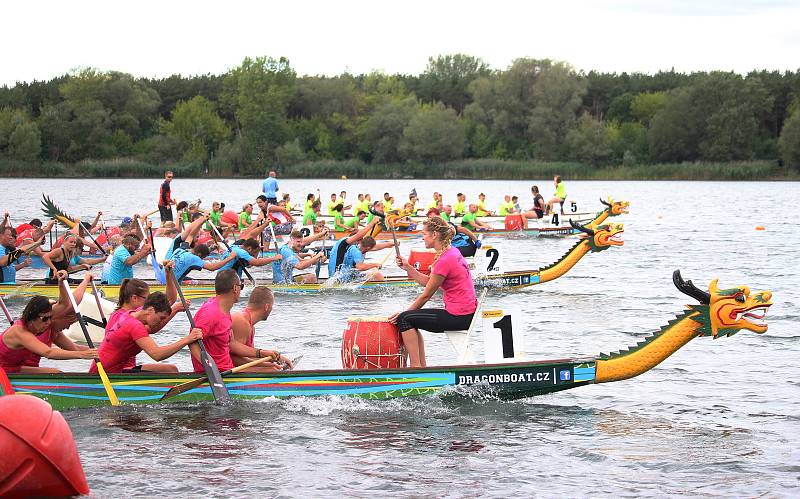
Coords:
185,262
8,274
352,257
119,270
270,187
238,263
282,269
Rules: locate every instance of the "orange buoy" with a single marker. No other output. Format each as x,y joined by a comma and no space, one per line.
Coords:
422,260
760,227
39,454
372,343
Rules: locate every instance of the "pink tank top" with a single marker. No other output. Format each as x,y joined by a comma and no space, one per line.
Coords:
11,359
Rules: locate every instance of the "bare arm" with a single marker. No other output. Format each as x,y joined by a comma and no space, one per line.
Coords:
218,264
413,273
65,343
28,341
157,352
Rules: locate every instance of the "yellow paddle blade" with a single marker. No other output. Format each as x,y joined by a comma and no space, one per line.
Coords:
112,397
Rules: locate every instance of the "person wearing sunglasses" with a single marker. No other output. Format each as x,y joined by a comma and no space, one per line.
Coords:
33,336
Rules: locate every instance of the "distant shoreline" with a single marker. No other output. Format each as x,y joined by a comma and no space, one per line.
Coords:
473,169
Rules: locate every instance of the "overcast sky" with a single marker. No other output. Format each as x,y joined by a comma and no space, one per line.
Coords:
44,39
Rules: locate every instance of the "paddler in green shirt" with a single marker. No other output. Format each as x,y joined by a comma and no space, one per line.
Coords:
309,201
338,219
245,219
471,222
459,207
310,216
560,195
355,221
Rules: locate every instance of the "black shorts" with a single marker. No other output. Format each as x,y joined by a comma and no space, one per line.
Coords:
165,212
435,320
539,213
468,250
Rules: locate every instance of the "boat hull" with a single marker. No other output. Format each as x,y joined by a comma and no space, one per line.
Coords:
204,288
504,381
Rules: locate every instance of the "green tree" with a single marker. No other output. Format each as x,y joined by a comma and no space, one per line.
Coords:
447,77
196,124
433,134
290,153
20,138
646,104
381,133
789,142
259,91
589,142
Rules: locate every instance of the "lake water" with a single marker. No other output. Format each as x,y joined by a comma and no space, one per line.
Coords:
718,418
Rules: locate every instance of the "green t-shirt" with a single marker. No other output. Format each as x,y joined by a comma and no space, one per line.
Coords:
338,219
467,221
244,220
445,216
309,218
351,222
213,218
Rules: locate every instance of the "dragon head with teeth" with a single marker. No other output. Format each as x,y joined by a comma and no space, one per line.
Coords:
724,312
601,237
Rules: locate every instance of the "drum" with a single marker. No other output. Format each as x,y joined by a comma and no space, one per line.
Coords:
372,343
422,260
513,222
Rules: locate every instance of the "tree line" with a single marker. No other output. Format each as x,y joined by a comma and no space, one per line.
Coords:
261,115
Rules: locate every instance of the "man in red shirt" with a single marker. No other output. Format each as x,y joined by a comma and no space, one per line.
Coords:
165,200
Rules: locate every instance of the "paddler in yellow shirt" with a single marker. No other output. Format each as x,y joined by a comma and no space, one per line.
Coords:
481,204
460,206
560,195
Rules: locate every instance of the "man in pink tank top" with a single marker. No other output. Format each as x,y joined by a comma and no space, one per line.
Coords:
214,319
259,306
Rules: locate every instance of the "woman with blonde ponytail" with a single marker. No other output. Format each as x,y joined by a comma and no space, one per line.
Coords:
449,272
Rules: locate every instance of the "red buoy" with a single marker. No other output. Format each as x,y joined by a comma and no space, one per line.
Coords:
39,456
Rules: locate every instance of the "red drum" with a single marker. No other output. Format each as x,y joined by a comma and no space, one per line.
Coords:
514,222
372,343
422,260
205,238
229,217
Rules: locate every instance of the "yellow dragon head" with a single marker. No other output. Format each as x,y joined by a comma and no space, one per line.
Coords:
601,237
615,208
724,312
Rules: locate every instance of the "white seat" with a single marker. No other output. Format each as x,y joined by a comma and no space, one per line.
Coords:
460,339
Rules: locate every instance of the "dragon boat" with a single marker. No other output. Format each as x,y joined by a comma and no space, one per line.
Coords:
593,240
557,226
721,312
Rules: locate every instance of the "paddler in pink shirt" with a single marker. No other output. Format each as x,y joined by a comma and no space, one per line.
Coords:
449,272
214,319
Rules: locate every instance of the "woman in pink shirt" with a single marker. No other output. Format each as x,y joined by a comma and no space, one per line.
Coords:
129,334
451,273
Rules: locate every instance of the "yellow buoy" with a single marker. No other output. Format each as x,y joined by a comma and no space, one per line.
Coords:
344,177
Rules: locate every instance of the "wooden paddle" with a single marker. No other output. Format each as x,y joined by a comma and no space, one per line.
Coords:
92,238
99,305
216,231
218,388
185,387
112,396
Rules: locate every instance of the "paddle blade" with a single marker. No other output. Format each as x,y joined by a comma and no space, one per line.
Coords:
218,388
183,387
160,276
112,396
